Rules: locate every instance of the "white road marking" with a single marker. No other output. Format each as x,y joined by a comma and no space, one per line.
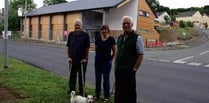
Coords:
204,52
152,59
162,60
180,62
195,64
207,66
185,58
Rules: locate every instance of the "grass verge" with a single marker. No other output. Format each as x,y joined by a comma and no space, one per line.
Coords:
34,84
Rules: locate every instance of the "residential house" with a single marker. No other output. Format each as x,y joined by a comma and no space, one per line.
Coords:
206,19
55,21
193,16
161,17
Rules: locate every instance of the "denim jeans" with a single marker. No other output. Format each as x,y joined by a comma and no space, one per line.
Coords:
103,68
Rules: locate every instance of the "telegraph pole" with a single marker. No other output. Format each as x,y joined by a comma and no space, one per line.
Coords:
25,27
5,35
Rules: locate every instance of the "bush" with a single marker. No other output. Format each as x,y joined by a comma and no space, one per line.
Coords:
182,24
184,36
189,24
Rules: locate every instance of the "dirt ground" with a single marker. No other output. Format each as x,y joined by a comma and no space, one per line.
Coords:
7,95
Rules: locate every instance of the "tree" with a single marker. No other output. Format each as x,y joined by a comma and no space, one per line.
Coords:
206,9
167,19
173,18
14,20
189,24
52,2
182,24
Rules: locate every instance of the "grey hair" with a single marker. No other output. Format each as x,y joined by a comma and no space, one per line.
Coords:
129,17
78,20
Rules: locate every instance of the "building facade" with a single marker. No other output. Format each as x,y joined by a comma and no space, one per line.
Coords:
56,21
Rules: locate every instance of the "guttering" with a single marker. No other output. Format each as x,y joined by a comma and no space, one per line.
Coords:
123,3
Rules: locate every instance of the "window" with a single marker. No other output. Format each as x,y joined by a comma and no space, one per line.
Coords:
144,13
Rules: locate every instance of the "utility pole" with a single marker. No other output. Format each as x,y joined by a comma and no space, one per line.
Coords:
5,65
25,27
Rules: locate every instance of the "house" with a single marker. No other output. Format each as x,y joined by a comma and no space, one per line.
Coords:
205,20
161,17
193,16
55,21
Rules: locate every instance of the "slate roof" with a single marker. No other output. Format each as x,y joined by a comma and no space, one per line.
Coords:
186,14
78,5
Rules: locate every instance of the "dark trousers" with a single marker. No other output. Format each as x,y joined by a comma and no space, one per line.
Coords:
74,70
125,87
103,68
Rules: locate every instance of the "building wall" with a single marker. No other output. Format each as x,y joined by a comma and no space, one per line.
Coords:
145,24
161,17
34,24
44,23
57,27
116,15
70,18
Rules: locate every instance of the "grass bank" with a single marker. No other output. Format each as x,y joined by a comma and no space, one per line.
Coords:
33,85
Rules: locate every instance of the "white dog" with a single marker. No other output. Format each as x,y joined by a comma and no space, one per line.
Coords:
90,99
79,99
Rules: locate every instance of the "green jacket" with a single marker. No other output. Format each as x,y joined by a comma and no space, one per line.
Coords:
126,52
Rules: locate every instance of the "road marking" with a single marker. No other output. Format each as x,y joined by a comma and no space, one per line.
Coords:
207,66
152,59
181,60
195,64
204,52
185,58
162,60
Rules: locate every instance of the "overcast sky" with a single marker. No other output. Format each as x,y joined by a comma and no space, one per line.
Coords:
168,3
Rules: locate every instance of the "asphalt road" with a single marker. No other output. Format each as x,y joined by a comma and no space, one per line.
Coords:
174,76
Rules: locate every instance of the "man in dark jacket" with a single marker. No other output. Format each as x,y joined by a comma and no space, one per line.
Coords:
78,44
129,57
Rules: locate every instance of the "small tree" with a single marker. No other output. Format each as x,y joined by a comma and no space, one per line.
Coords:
182,24
189,24
167,19
173,18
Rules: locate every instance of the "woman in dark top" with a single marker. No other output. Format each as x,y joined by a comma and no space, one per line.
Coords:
105,52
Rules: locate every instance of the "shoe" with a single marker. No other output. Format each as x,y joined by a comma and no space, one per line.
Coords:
95,98
106,100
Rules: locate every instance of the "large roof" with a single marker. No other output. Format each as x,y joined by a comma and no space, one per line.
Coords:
186,14
78,5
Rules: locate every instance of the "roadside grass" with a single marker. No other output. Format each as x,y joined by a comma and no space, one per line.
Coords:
33,84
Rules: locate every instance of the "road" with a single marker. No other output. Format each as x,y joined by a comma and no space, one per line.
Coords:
173,76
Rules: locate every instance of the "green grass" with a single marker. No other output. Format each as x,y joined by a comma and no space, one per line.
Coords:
39,86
